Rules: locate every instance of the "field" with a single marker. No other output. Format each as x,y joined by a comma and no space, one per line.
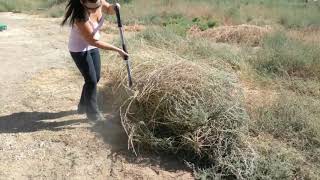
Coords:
229,87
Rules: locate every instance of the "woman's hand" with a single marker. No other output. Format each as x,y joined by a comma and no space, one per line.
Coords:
123,54
118,5
109,8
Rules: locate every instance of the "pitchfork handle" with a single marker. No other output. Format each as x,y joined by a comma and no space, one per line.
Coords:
124,47
116,8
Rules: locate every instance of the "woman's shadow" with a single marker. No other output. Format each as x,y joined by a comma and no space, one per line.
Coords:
35,121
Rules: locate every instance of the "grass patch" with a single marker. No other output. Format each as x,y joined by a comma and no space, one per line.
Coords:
285,57
155,11
302,87
56,11
179,23
278,161
55,8
193,49
16,5
295,119
290,14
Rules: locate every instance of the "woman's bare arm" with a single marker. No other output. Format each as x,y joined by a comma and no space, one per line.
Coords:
87,33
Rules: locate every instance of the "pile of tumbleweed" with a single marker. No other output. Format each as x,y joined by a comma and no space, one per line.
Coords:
185,108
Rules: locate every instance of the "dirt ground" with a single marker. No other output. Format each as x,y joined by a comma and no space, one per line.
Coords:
41,136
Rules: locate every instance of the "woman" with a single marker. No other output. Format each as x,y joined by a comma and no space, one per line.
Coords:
86,18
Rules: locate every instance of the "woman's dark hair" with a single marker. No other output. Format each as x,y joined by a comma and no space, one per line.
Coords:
74,11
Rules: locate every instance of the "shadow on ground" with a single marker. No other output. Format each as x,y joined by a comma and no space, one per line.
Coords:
35,121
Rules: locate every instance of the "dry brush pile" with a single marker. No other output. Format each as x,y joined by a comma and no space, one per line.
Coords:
185,108
245,34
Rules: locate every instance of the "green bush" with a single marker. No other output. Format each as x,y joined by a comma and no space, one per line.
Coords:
177,23
204,23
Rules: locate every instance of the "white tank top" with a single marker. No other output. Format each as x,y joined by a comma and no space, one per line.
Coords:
77,43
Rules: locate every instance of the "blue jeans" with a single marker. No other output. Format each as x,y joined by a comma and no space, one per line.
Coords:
88,63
